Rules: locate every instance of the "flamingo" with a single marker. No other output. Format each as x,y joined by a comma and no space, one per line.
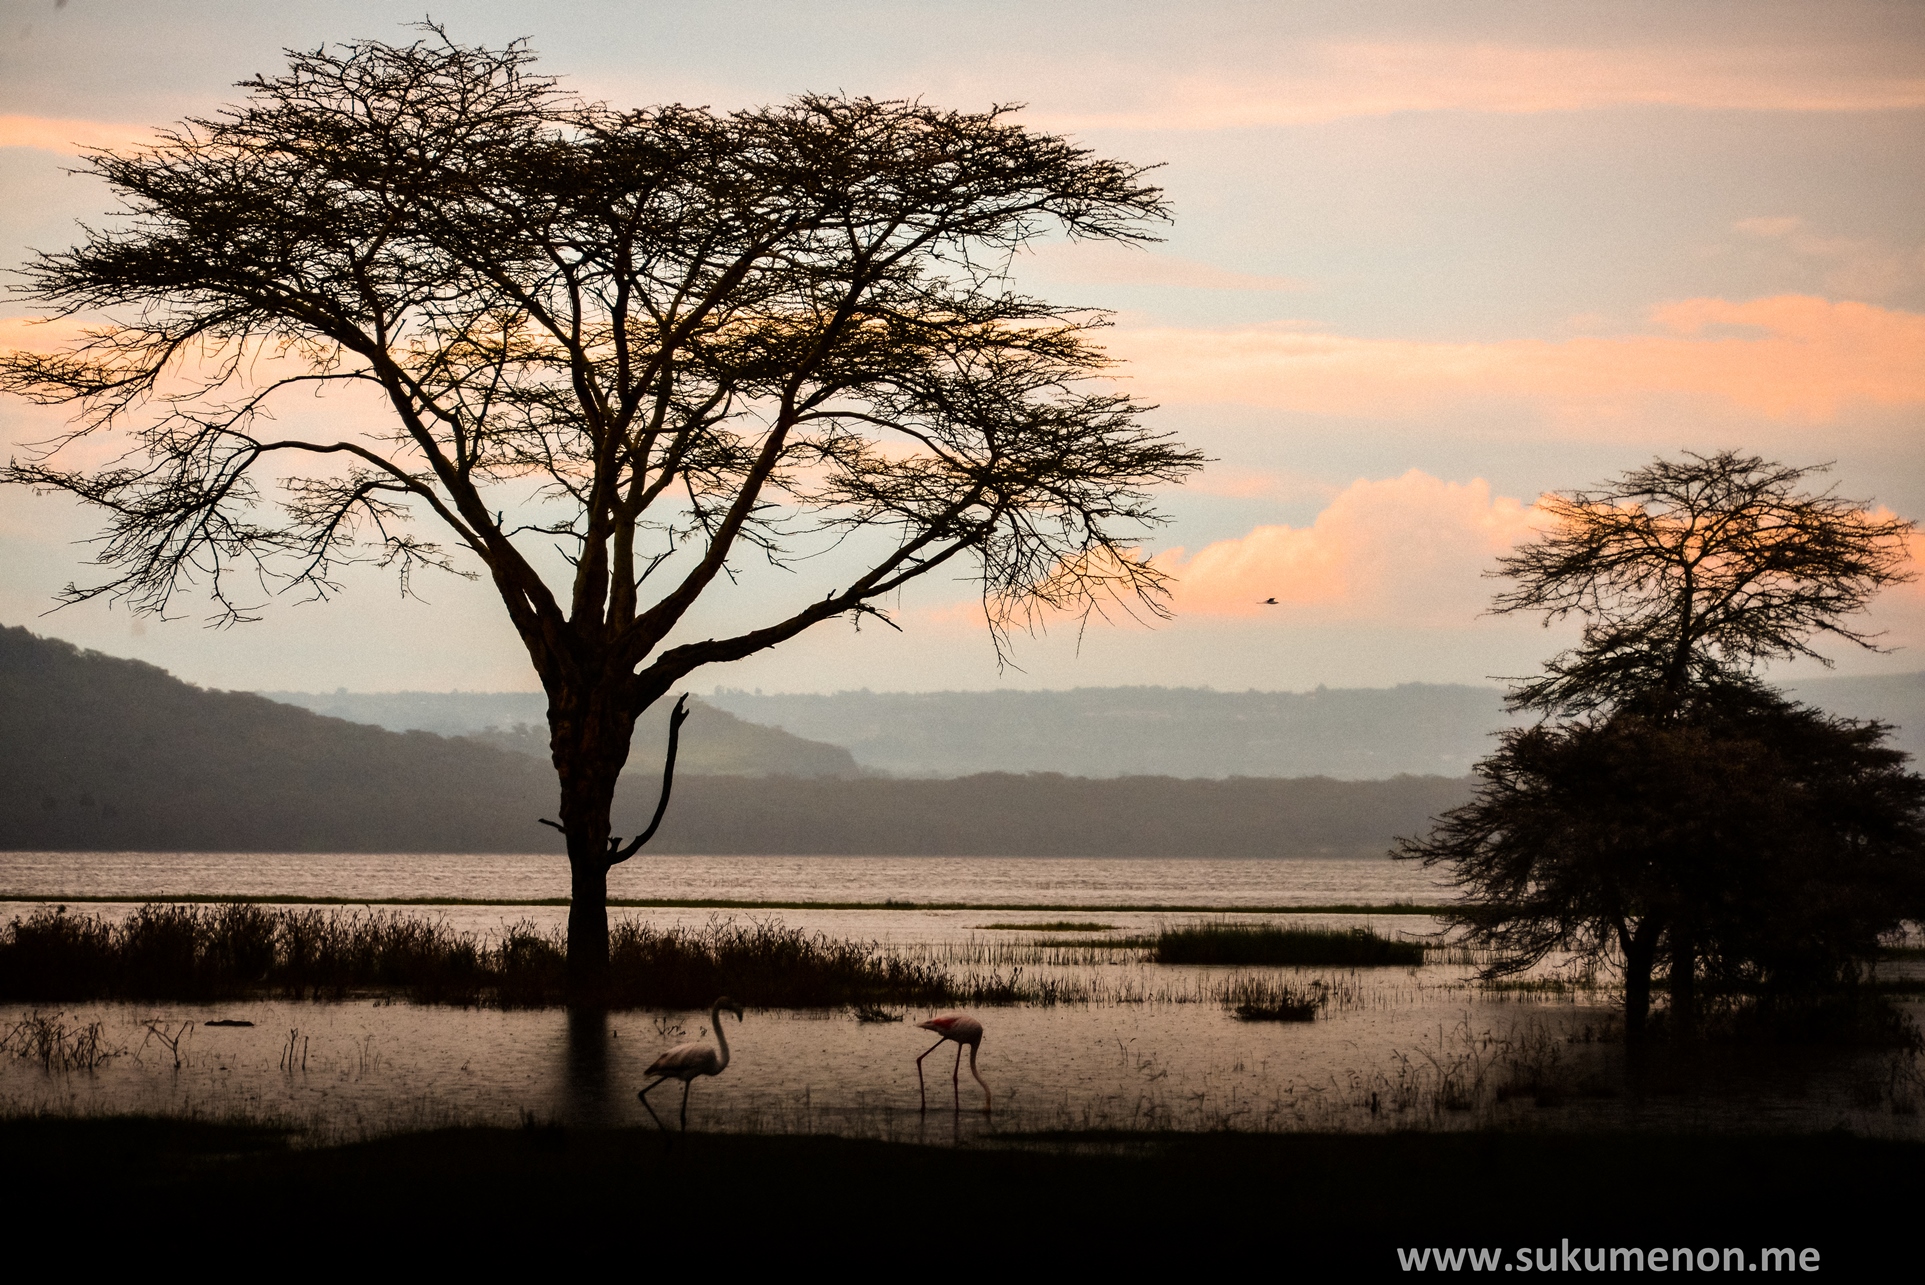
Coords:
686,1061
963,1029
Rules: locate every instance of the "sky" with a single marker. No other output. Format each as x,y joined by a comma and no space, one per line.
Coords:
1427,263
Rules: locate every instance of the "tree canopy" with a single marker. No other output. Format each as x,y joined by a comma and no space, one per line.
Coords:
1690,573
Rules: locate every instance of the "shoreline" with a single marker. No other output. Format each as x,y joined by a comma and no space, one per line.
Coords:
715,903
1299,1200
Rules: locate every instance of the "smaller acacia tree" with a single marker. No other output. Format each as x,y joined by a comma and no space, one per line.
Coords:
1668,803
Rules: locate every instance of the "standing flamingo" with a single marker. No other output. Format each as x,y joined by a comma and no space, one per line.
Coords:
686,1061
963,1029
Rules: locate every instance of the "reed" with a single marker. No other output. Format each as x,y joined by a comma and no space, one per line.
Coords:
1263,999
1252,945
180,952
58,1045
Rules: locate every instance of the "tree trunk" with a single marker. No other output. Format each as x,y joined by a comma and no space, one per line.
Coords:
1684,986
590,745
1640,955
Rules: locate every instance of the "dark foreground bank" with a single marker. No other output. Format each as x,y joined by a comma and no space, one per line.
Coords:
1106,1203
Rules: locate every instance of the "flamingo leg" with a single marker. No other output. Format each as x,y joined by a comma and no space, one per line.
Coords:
921,1088
686,1086
643,1095
955,1079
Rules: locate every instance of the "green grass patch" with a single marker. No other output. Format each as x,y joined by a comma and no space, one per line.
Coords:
1258,944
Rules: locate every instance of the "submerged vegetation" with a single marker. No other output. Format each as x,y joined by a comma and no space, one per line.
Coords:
1254,944
58,1044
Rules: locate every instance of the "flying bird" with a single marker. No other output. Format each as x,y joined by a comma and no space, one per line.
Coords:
963,1029
1269,602
686,1061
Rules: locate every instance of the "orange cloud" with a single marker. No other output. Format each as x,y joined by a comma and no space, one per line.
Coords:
1792,357
40,334
1333,81
71,136
1408,549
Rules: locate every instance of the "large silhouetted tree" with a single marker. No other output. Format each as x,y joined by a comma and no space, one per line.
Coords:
1670,804
663,340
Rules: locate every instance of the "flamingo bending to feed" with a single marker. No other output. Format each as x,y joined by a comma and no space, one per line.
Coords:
686,1061
963,1029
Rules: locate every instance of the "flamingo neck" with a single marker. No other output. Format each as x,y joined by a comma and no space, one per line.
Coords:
988,1097
721,1040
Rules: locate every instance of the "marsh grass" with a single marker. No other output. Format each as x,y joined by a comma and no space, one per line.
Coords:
1262,944
178,952
233,951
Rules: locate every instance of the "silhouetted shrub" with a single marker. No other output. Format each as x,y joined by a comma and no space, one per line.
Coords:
1255,944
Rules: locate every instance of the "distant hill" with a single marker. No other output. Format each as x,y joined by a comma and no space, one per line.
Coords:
1898,699
1045,815
714,742
102,753
1350,734
99,753
1360,734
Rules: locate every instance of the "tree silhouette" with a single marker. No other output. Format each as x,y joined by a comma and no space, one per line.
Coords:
1689,574
1775,844
1671,809
663,341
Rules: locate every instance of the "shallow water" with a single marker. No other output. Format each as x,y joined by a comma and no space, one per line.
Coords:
1152,1046
1413,1048
1291,881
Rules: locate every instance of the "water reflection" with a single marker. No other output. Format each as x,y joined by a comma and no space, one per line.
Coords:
997,880
1408,1053
588,1092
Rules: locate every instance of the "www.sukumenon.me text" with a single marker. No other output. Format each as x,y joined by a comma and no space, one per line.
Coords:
1564,1257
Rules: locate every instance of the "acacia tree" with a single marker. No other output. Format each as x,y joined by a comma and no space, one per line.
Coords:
664,340
1689,574
1668,793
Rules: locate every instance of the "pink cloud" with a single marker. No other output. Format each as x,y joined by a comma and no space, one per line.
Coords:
1409,550
1791,358
1334,81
